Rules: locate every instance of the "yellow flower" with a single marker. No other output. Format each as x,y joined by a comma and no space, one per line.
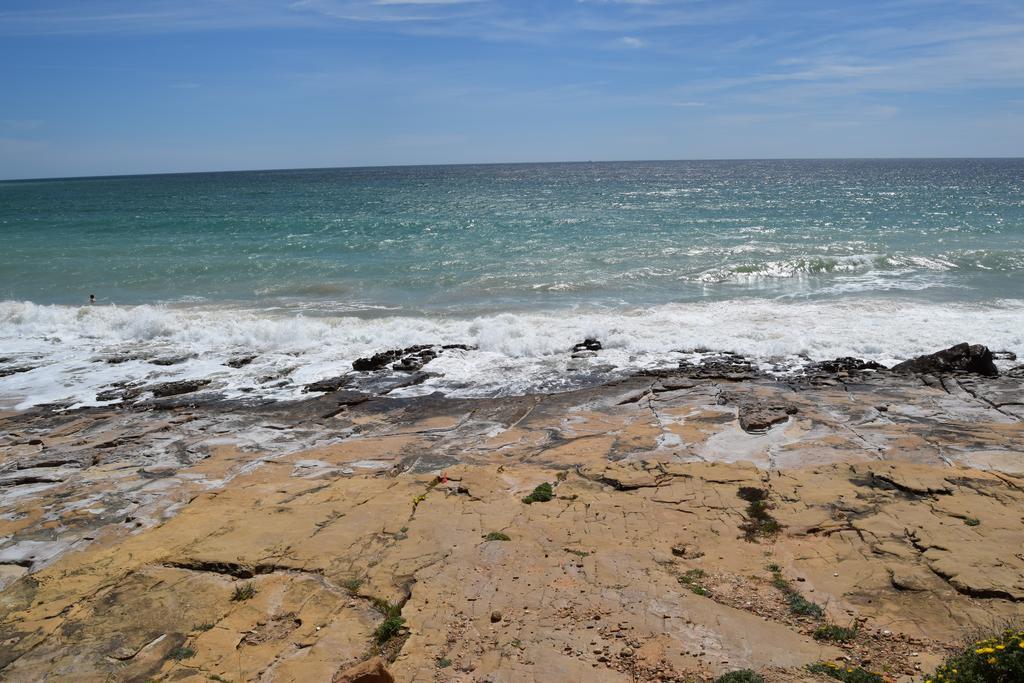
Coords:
1000,647
984,650
992,660
1021,643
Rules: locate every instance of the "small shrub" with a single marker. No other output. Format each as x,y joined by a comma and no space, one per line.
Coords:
759,521
798,604
972,521
577,553
691,580
497,536
835,634
183,652
542,494
443,663
352,585
206,626
846,674
393,620
741,676
801,606
388,629
219,679
244,592
999,659
752,494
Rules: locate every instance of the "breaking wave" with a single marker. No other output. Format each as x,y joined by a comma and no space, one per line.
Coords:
65,353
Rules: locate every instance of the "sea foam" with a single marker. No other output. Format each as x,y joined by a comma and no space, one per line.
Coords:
69,354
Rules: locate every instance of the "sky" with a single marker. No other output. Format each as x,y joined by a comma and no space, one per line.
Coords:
96,87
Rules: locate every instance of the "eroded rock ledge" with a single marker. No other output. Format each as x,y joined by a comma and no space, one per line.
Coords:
272,543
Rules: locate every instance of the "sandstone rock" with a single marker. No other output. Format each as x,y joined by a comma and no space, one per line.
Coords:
756,414
962,357
370,671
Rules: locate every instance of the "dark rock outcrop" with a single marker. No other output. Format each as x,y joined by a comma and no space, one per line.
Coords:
726,366
239,361
327,385
169,360
185,386
846,364
960,358
409,359
587,344
14,370
377,361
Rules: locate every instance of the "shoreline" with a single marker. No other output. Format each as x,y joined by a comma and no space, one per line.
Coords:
327,503
83,355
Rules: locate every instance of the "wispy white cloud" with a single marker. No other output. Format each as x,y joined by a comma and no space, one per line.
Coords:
631,42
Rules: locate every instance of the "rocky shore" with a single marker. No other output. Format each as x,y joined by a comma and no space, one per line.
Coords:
672,526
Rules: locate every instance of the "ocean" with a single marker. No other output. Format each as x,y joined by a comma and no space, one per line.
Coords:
782,261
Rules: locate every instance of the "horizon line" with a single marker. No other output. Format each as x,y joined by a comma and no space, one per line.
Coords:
110,176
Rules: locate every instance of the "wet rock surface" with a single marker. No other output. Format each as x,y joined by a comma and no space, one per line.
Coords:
960,358
271,541
409,359
186,386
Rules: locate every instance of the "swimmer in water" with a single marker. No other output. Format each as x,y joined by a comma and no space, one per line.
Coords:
92,299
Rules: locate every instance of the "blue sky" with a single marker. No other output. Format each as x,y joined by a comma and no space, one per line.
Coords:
133,86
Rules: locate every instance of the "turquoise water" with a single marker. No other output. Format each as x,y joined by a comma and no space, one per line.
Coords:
484,238
877,258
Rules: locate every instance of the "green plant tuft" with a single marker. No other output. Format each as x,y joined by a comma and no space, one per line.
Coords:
752,494
741,676
244,592
388,629
846,674
497,536
759,521
972,521
798,604
393,620
835,634
183,652
542,494
691,579
352,585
